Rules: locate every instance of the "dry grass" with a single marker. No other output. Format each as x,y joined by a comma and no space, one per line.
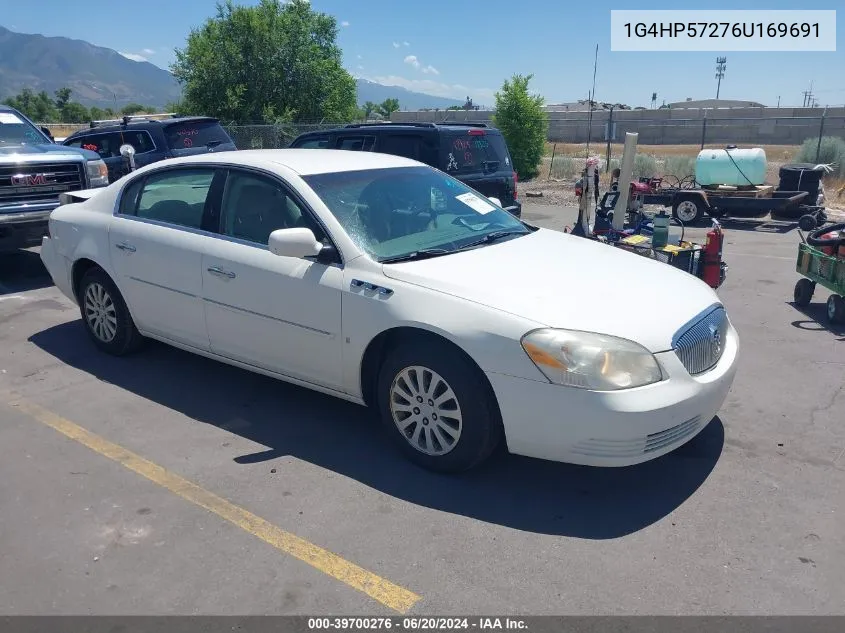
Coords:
784,153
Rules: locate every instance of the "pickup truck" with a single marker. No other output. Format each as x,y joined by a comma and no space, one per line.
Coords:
34,171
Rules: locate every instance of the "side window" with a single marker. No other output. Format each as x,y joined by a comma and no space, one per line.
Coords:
407,145
254,206
176,197
140,140
129,197
319,142
356,143
106,145
77,142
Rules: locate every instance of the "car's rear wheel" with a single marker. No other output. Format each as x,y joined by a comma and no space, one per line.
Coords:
437,406
105,314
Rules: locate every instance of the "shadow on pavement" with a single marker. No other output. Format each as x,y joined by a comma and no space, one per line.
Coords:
21,271
759,225
817,320
520,493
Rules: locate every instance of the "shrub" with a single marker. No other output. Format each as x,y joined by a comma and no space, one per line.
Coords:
832,151
563,167
645,166
523,123
679,166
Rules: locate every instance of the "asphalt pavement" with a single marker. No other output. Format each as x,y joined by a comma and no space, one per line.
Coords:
165,483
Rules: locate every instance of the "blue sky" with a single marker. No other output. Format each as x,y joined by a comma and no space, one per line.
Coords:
456,48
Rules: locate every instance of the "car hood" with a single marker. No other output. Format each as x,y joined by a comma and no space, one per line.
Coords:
560,280
47,150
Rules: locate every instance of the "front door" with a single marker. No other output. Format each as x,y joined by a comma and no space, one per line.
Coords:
277,313
156,242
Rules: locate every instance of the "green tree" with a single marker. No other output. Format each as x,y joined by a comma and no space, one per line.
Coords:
62,97
74,112
369,107
274,62
135,108
388,107
524,124
38,107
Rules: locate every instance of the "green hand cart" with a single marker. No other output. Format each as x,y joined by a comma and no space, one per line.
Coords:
827,270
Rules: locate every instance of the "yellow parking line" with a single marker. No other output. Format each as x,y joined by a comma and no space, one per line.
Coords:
387,593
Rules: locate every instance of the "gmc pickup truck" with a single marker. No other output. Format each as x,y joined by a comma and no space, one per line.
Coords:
33,172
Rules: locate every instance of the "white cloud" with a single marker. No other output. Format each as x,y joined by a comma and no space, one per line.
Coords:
405,44
148,51
360,57
396,45
344,23
135,57
412,61
481,96
430,70
360,67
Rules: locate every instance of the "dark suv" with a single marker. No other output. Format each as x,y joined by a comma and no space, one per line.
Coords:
471,152
153,139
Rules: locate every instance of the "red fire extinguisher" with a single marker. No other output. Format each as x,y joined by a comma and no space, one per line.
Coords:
711,257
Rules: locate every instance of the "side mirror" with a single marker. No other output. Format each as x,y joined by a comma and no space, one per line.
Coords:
299,242
127,151
495,201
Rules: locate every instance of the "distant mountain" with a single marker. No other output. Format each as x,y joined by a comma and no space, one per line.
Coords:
103,77
98,76
408,100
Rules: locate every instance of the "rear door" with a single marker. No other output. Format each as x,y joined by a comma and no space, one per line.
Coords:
409,145
480,158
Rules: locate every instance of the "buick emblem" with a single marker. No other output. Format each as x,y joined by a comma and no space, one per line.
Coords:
715,340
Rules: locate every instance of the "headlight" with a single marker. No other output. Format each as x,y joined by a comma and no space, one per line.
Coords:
98,173
591,361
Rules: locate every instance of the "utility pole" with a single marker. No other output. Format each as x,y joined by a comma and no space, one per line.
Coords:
778,101
653,100
721,64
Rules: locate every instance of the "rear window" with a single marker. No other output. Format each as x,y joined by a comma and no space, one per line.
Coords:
466,153
190,134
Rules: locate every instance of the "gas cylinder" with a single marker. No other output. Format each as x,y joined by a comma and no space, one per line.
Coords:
711,257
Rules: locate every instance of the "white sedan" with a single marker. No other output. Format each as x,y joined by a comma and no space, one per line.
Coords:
386,282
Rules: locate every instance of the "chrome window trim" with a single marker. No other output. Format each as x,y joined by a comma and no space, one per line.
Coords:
129,180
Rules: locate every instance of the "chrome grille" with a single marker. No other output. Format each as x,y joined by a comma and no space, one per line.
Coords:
25,182
699,344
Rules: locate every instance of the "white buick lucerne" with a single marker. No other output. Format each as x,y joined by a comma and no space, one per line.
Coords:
386,282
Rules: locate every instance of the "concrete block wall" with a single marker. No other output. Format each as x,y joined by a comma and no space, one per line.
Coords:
672,126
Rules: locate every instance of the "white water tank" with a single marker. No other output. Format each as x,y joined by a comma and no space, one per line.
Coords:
731,166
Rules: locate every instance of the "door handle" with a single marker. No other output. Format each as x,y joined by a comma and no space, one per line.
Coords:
125,246
221,273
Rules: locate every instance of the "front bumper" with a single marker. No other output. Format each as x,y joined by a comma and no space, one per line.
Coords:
25,228
619,428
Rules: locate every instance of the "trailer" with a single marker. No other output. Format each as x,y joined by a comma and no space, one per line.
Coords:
690,203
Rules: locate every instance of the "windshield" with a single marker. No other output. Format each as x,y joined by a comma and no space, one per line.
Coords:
467,152
15,130
400,211
191,134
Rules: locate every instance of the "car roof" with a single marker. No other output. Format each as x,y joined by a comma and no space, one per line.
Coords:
138,124
305,162
354,128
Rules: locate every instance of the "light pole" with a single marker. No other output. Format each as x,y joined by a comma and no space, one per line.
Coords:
721,63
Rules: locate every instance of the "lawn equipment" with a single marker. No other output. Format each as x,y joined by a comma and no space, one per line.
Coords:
821,260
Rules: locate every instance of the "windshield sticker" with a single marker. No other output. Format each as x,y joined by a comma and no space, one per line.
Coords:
9,117
453,164
475,203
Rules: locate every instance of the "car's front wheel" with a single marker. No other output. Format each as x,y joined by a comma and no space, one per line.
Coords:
437,406
105,314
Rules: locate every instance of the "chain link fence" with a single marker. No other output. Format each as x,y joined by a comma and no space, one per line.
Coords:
272,136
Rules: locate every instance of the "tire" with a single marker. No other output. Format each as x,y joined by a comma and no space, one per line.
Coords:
688,209
469,425
105,315
836,309
807,222
803,294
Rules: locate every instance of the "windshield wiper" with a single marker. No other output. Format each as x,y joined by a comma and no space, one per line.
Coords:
423,253
492,237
